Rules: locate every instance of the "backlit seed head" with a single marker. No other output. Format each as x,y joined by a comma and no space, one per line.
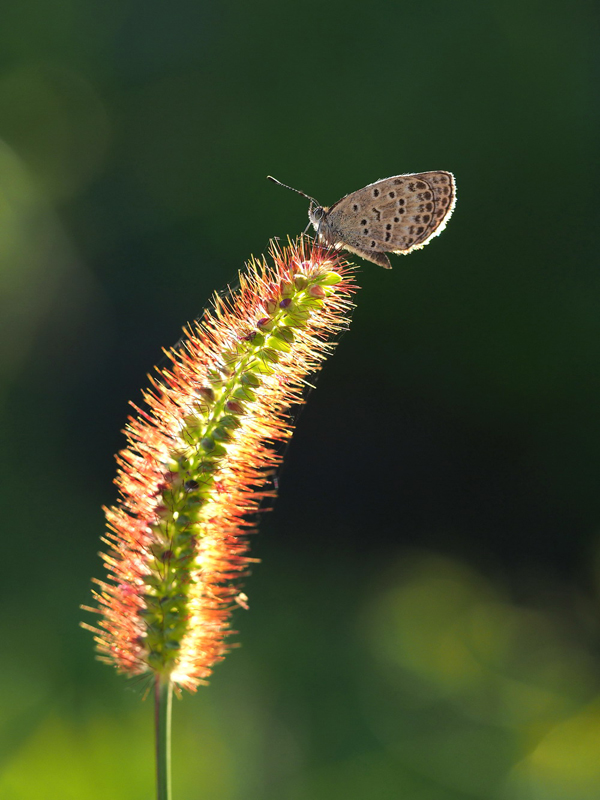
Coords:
199,461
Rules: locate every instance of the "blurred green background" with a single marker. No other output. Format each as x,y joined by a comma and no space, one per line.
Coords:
424,623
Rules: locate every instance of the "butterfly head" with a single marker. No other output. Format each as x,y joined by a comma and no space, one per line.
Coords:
316,214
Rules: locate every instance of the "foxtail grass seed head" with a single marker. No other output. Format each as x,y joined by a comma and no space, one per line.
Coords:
199,460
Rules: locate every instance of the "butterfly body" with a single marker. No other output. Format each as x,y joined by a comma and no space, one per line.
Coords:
393,215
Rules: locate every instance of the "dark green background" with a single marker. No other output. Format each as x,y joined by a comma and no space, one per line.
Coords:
424,623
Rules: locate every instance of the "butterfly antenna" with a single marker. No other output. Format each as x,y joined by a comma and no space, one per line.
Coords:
291,188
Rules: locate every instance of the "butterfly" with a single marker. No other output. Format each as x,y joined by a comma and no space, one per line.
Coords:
394,215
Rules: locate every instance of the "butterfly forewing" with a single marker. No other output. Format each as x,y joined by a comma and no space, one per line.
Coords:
393,215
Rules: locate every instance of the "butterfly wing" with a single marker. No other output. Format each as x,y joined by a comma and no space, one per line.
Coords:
393,215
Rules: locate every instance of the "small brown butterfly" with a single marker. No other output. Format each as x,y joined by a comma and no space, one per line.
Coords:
394,215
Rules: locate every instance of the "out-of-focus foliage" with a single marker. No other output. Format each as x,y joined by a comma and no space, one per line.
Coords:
425,620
